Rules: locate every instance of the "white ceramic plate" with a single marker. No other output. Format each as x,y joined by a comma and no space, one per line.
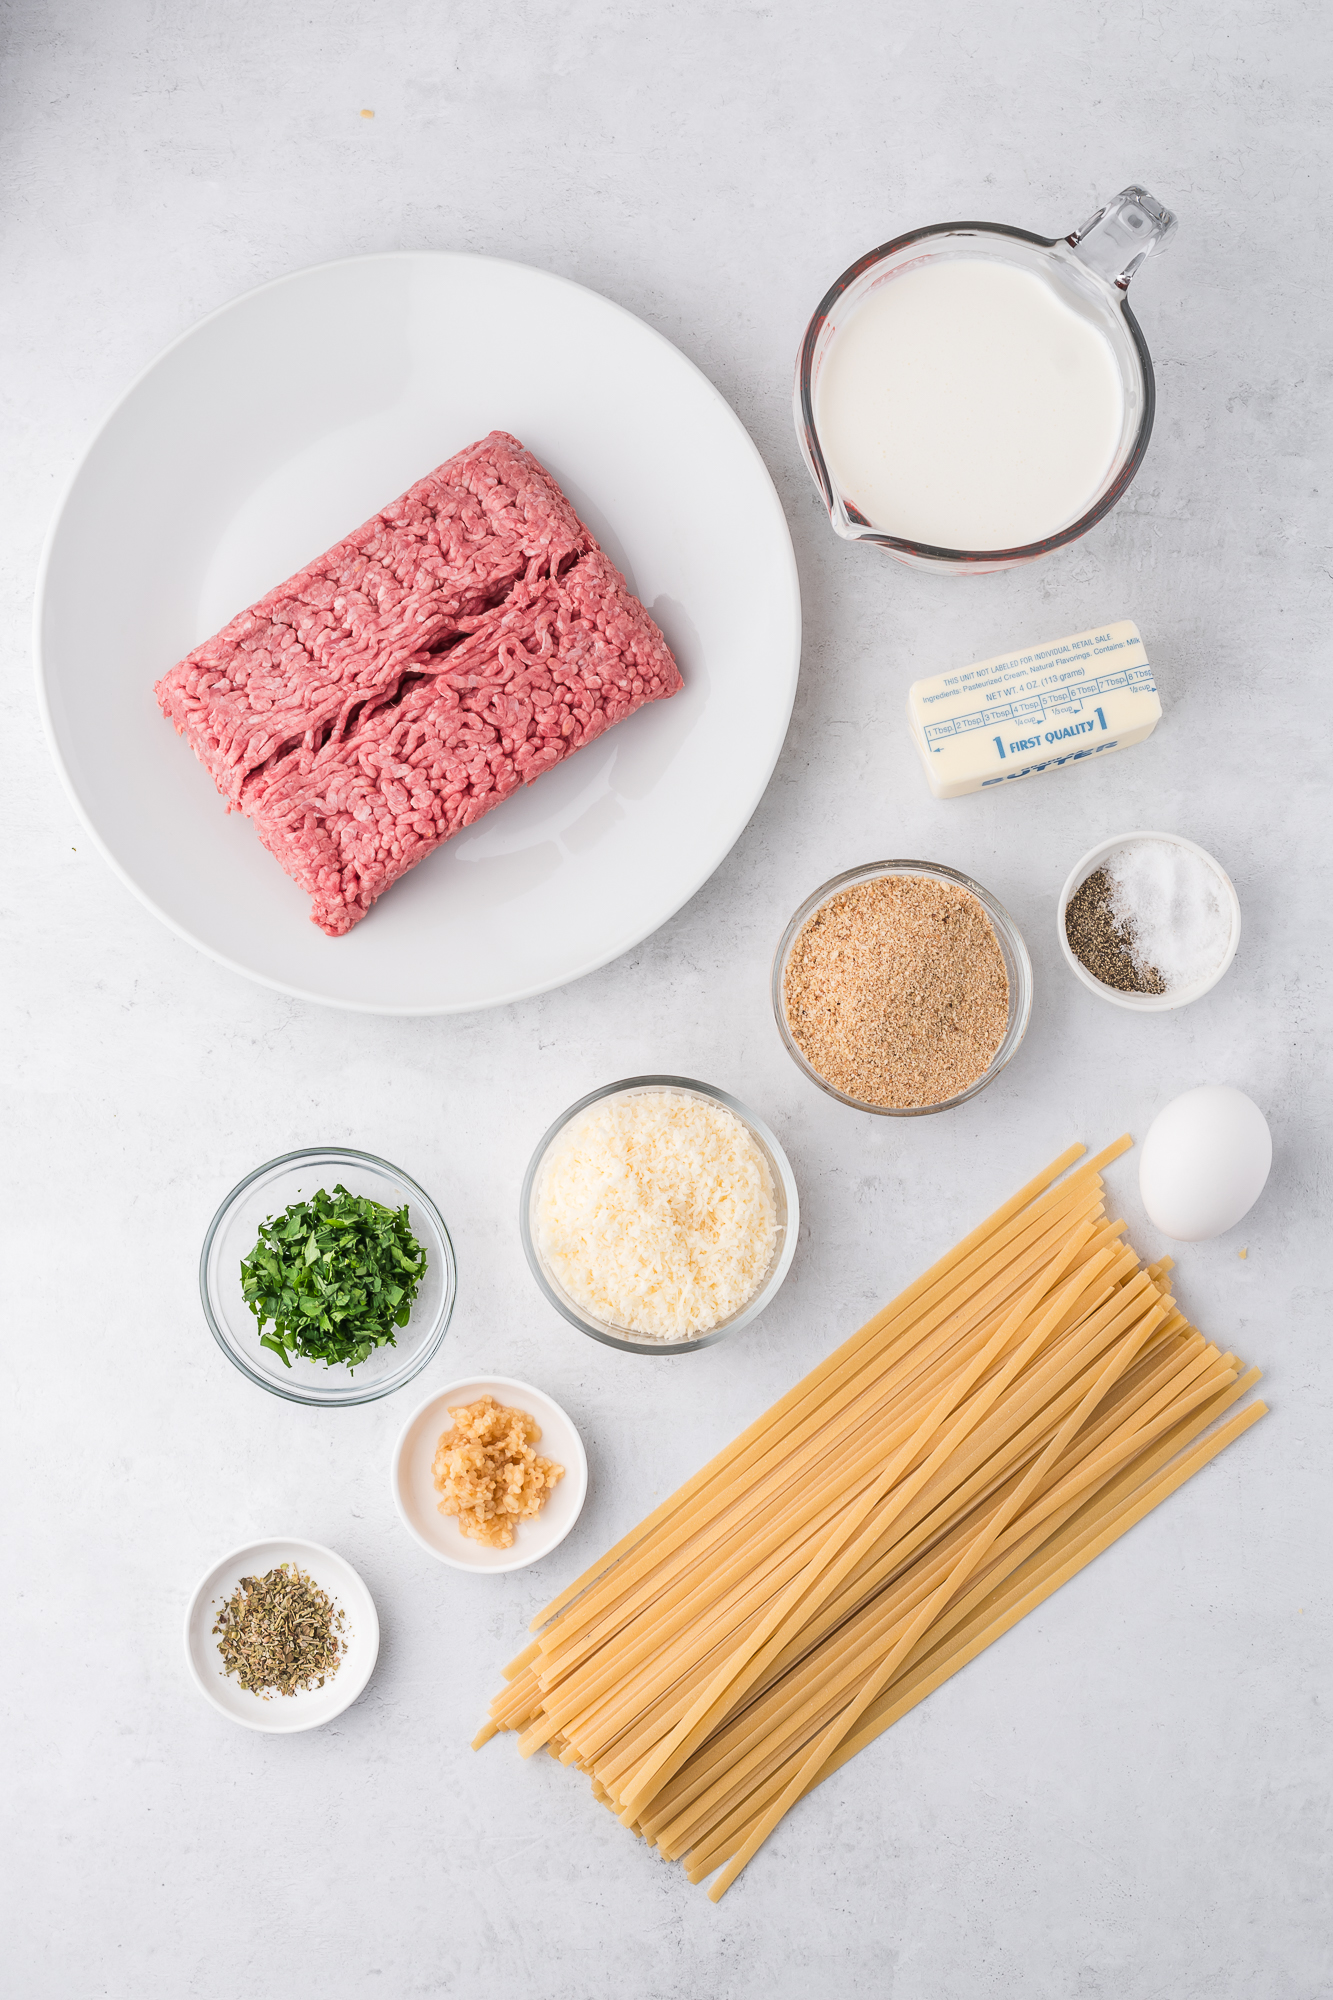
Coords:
282,1715
418,1503
284,421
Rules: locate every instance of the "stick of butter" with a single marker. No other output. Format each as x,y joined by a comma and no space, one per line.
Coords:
1032,711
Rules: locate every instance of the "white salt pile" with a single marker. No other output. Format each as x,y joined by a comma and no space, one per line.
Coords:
1173,908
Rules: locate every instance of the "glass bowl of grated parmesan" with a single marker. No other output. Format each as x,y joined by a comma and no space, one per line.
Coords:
659,1215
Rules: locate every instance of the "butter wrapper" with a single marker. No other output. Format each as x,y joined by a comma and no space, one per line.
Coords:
1035,710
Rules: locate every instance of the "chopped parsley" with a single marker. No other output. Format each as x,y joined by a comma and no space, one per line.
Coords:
332,1278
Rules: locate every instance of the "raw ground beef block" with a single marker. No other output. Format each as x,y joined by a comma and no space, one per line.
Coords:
416,576
464,641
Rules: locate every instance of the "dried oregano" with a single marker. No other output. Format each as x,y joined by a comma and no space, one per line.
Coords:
278,1633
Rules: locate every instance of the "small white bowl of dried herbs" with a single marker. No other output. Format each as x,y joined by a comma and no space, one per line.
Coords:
281,1635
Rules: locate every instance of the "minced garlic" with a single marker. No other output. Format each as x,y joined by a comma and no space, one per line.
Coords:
488,1473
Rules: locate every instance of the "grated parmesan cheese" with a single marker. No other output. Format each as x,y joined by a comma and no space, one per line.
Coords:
656,1213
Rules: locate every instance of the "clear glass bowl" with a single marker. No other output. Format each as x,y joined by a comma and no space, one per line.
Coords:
784,1189
1090,269
234,1231
1017,965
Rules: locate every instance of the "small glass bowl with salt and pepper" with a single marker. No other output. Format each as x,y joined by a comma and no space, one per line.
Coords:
1149,921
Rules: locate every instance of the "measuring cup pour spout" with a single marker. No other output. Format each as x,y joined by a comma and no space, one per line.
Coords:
1117,239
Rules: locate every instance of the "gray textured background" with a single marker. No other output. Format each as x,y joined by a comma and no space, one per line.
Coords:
1127,1795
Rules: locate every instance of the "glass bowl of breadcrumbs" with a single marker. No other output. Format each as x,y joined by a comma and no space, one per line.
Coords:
902,987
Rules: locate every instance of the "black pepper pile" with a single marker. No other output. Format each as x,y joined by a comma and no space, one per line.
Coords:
1103,945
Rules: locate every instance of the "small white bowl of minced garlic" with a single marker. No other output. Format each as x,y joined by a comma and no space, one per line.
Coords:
659,1215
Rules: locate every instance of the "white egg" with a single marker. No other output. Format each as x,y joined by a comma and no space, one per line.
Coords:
1204,1162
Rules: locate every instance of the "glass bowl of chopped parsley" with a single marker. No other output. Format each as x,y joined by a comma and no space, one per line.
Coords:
328,1277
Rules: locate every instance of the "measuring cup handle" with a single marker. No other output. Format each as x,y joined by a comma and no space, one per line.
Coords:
1115,241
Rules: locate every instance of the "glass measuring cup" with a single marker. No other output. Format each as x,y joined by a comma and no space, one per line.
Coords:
1089,269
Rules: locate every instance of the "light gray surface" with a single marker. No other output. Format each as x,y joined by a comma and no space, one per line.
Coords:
1127,1796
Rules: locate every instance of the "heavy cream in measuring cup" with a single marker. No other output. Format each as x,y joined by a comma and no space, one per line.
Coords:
966,405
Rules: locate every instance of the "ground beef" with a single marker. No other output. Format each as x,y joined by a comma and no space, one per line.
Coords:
466,639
